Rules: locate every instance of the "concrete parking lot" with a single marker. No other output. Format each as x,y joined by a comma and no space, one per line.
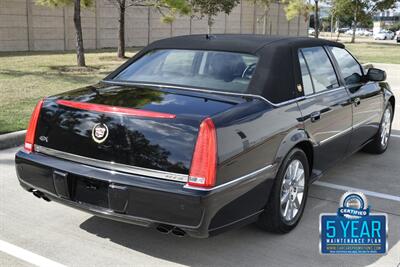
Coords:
60,235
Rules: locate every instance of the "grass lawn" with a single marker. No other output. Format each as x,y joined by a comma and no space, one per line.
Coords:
375,52
27,77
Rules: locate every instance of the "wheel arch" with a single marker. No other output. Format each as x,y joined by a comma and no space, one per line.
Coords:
392,101
308,149
296,138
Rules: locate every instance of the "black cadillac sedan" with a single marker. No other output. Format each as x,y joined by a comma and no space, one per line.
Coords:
198,134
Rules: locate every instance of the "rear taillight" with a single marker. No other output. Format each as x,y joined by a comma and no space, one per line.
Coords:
30,133
203,169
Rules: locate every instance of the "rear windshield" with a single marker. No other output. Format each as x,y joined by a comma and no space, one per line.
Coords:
215,70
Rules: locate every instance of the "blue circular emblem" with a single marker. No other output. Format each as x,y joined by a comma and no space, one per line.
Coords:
353,205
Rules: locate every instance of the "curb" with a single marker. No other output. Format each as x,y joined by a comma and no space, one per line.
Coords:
12,139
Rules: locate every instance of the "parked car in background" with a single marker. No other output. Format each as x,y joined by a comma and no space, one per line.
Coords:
391,35
199,134
349,31
398,36
342,30
367,32
384,35
359,32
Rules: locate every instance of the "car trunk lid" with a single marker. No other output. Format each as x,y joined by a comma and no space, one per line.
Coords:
132,126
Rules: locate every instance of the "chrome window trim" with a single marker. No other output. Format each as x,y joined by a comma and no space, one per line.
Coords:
310,96
165,86
280,104
178,177
326,91
232,182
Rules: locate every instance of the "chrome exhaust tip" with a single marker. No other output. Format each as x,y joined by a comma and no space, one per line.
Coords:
178,232
41,195
37,194
164,228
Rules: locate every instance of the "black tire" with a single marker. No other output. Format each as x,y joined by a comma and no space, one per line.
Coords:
272,219
376,146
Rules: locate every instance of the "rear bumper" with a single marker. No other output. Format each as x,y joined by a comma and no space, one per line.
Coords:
142,200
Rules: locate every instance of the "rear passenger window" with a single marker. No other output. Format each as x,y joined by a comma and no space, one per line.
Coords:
322,72
305,76
349,67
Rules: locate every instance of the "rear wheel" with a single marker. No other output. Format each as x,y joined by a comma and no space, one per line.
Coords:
381,140
288,198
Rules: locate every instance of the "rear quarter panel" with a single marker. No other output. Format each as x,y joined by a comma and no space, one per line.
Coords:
250,135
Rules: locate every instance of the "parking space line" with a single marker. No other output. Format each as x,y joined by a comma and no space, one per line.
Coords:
395,135
27,256
367,192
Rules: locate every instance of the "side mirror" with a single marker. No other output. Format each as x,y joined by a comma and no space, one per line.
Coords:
376,75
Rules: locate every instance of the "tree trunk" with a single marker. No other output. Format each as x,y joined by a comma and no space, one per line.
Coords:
80,52
316,20
265,20
121,30
338,27
210,23
353,36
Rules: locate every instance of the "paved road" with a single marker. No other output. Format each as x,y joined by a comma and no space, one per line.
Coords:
74,238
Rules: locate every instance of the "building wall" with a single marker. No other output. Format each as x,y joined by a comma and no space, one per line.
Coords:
24,26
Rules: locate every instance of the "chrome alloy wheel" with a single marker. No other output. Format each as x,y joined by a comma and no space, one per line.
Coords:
292,190
386,124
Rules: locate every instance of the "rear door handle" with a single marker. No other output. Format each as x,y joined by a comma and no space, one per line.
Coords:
315,116
357,101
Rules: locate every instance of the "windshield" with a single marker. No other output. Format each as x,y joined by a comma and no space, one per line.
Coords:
215,70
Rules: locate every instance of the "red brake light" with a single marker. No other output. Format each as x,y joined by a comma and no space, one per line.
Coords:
115,110
30,133
204,162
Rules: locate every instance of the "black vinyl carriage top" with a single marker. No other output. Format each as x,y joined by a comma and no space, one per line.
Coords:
277,72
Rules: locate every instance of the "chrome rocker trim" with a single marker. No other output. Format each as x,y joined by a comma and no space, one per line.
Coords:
232,182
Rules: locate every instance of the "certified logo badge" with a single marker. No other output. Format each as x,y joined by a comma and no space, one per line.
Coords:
100,133
353,229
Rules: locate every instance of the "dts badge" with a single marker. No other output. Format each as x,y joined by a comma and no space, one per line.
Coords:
353,230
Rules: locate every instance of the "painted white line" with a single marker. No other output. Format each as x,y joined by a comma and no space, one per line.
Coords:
395,135
27,256
348,188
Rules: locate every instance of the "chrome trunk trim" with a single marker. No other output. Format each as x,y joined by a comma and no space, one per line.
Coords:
178,177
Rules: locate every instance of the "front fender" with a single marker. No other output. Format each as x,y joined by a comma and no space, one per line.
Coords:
388,95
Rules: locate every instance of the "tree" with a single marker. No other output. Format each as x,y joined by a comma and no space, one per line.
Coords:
80,51
211,8
360,10
316,19
296,8
266,4
172,6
